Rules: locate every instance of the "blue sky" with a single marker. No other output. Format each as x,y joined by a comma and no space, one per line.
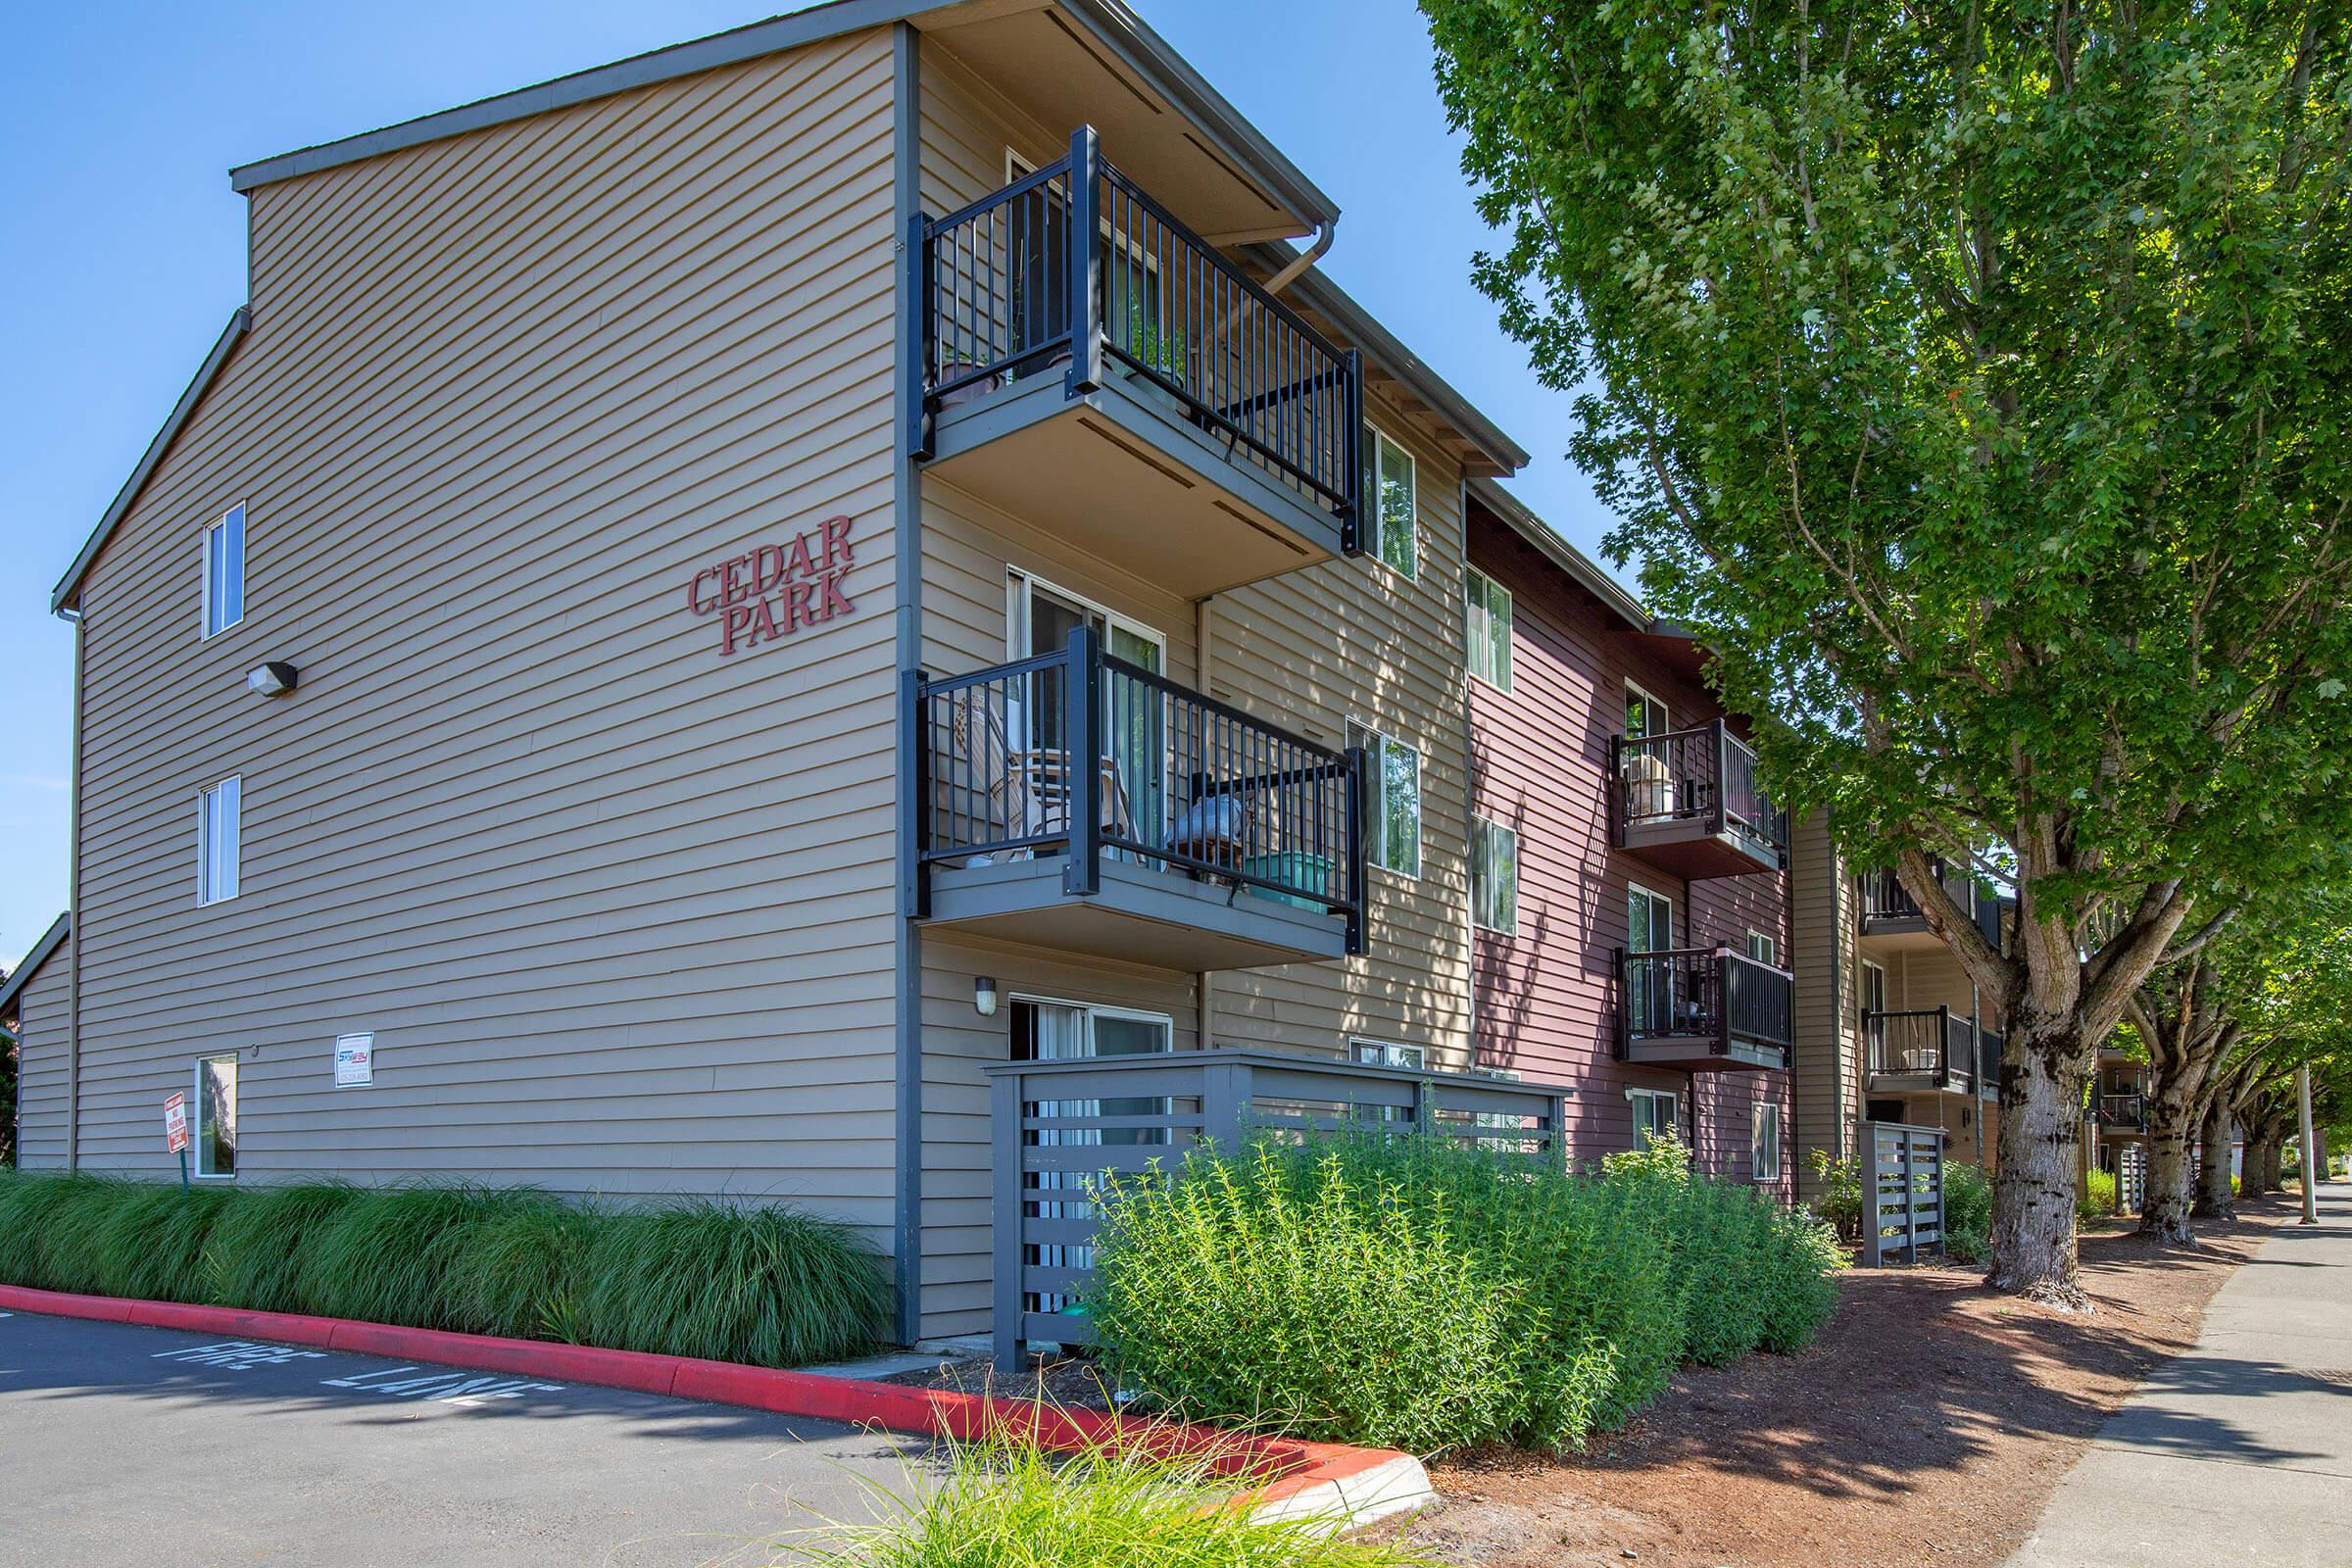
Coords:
126,248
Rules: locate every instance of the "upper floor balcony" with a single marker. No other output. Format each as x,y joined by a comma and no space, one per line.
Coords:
1704,1010
1078,801
1926,1050
1089,365
1689,804
2124,1114
1892,918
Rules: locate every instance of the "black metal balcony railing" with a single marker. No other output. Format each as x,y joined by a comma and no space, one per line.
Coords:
1990,1046
1928,1042
997,305
1887,905
1706,993
1080,750
1705,776
2128,1112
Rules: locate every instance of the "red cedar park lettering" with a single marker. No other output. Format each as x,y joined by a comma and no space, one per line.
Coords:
776,590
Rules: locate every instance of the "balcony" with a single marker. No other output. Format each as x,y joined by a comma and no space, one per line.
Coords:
1089,365
2122,1115
1704,1010
1924,1051
1891,917
1690,804
1077,802
1990,1046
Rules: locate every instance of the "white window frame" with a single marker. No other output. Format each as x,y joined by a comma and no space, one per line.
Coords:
1483,833
1634,1098
198,1141
1376,538
1766,1112
1375,744
1481,629
1770,943
1365,1052
1654,703
212,886
218,529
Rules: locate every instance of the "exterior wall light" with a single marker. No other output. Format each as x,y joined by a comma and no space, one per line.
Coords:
271,679
984,995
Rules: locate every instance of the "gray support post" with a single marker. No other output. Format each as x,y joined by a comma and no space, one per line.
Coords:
915,329
1086,272
1082,731
1005,1094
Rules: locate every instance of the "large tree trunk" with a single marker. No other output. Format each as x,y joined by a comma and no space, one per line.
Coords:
2164,1208
2040,1165
2214,1198
2258,1164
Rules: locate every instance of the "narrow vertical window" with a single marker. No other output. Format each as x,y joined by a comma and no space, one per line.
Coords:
1390,504
1488,617
224,571
1655,1115
1493,877
218,824
1391,803
216,1130
1645,715
1764,1144
1763,949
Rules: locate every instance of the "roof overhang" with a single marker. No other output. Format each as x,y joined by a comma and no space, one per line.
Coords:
1074,33
68,587
22,976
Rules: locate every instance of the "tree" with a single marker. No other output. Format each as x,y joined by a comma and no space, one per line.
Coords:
1969,378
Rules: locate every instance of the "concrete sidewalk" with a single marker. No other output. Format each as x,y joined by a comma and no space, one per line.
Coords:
2242,1449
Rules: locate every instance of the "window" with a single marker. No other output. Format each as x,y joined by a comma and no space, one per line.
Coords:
1645,715
1763,949
1389,503
1764,1142
1379,1053
215,1134
224,571
1493,877
217,825
1489,639
1653,1115
1391,800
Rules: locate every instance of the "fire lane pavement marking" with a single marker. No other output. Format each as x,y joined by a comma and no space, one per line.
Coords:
239,1355
444,1388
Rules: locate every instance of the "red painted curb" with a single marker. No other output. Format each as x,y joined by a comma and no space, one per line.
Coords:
1289,1466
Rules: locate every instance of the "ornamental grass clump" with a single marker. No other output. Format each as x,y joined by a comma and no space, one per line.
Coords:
735,1282
1416,1292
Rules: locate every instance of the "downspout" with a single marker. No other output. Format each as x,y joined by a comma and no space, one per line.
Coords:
1325,233
906,544
1204,623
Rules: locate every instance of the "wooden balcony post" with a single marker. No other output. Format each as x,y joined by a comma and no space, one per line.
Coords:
915,806
1352,453
1082,725
1719,817
1357,766
1086,270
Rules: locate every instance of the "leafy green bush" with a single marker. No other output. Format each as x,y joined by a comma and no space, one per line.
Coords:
2096,1201
1967,1213
1417,1293
1013,1504
1839,1197
743,1283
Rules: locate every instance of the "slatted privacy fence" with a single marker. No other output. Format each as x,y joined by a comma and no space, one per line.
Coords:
1903,1196
1058,1128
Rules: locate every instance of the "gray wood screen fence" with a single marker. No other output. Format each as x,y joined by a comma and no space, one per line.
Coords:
1902,1191
1058,1127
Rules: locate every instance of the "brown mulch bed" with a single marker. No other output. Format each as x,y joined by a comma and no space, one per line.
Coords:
1071,1384
1929,1424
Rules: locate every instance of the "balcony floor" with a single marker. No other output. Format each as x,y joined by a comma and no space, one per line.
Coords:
1123,474
1687,849
1920,1082
1140,915
1696,1053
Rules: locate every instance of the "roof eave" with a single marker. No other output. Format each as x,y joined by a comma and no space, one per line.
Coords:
1587,572
68,587
51,939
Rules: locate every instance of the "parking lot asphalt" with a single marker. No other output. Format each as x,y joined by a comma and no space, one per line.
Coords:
122,1444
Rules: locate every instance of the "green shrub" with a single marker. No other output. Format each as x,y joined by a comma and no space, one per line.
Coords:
1013,1504
1967,1214
730,1283
744,1283
2096,1201
1839,1199
1413,1293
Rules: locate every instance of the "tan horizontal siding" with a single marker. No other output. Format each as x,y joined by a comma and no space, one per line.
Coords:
44,1021
618,909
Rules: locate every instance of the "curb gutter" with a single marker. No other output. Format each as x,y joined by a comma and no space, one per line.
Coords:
1351,1487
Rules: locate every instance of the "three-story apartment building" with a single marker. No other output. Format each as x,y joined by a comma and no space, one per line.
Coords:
703,611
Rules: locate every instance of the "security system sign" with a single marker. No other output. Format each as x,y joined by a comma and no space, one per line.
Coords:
355,1061
175,1124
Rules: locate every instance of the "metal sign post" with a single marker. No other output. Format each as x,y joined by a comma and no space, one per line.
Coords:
175,1132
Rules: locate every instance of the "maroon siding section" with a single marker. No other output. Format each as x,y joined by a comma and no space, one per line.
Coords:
1546,997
